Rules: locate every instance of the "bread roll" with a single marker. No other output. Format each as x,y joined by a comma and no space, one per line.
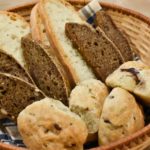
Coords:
133,76
126,75
49,125
121,116
87,100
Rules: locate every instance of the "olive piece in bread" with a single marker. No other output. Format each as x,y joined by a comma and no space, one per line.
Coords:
133,76
126,76
121,116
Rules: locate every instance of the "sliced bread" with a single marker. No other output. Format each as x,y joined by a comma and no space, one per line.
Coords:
37,27
12,28
105,22
55,14
99,52
16,94
45,70
9,65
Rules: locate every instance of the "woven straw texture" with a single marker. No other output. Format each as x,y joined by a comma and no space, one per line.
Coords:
137,27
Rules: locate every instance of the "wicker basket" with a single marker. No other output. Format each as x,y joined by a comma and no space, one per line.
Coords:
137,26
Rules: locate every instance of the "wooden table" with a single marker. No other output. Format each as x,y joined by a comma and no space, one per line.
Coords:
142,6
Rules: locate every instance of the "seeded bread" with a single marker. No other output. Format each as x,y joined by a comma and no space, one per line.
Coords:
121,116
86,100
37,27
49,125
16,94
133,76
46,71
9,65
12,28
55,14
99,52
105,22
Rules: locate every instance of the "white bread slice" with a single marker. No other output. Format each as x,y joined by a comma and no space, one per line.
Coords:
37,27
12,28
55,14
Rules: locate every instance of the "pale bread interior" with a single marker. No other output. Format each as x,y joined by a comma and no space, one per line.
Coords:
14,27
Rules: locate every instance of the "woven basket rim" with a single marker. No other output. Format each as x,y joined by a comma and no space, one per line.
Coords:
109,5
127,139
106,5
4,146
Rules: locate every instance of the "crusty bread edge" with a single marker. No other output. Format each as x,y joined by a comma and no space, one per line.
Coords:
55,44
34,25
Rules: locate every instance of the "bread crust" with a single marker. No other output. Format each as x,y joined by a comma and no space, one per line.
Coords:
59,129
35,29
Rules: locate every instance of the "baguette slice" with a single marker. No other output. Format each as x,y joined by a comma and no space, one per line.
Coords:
55,14
9,65
37,27
105,22
99,52
16,94
45,70
12,28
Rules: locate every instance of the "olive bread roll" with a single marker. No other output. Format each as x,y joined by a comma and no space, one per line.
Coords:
133,76
87,100
50,125
121,116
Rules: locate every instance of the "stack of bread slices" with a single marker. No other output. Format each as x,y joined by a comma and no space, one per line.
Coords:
53,76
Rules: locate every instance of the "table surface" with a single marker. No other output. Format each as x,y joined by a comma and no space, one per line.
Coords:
142,6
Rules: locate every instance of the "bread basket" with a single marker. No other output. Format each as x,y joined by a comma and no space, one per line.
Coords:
137,27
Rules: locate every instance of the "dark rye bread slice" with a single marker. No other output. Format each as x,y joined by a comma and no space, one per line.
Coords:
98,51
8,64
45,70
105,22
16,94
